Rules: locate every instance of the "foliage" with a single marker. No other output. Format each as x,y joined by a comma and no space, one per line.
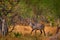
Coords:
17,35
30,8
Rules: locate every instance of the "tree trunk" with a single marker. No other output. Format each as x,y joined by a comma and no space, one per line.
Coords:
4,27
0,26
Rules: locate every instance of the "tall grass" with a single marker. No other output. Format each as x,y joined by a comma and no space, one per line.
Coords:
19,36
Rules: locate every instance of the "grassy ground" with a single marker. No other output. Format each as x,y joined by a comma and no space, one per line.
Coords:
23,33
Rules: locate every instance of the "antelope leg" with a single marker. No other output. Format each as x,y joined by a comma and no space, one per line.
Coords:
44,32
41,32
32,31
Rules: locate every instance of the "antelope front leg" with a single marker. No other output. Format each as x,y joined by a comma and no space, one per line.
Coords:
41,32
32,31
44,32
35,32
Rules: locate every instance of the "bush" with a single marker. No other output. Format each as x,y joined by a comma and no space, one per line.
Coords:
17,35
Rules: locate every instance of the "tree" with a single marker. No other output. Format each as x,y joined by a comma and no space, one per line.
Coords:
6,8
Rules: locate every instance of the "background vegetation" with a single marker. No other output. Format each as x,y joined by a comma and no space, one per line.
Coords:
14,10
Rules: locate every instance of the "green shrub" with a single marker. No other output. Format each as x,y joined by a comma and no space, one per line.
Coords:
17,35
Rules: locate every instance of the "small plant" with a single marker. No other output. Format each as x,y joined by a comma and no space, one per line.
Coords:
17,34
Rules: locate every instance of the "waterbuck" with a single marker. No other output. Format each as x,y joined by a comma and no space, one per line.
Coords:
37,26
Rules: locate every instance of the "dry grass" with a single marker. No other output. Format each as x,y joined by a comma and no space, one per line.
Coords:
27,29
25,33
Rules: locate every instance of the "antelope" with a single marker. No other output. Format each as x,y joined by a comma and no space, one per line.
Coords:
37,26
